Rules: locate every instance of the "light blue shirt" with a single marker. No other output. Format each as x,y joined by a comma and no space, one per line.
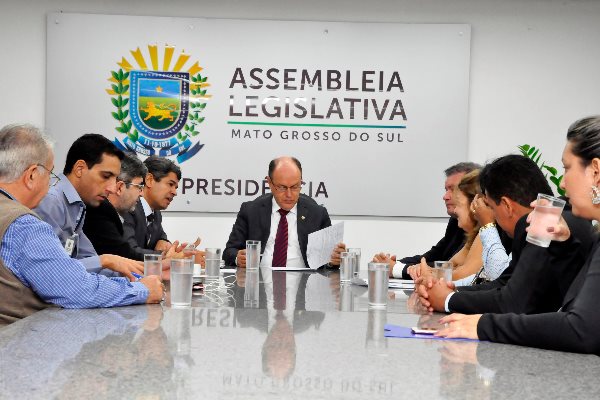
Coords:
495,259
33,253
63,209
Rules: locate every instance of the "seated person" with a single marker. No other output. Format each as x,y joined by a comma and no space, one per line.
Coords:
494,255
552,269
281,220
104,224
90,175
454,237
143,226
575,326
468,261
35,270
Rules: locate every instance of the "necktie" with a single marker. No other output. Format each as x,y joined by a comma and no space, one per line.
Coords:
149,228
281,241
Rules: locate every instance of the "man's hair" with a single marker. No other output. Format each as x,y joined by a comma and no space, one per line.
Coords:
275,162
21,145
90,148
160,167
514,176
584,136
131,168
465,167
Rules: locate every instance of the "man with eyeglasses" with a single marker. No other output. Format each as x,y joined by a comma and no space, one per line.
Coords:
90,176
281,220
35,270
104,224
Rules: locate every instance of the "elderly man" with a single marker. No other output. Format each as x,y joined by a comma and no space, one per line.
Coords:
454,237
281,220
104,224
35,270
90,175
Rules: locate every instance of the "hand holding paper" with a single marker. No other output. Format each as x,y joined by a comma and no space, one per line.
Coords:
321,244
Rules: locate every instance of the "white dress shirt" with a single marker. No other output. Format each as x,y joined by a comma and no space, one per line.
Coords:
293,250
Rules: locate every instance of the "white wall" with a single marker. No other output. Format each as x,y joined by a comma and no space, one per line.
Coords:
534,70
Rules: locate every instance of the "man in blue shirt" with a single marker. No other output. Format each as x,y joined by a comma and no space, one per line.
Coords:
35,270
90,175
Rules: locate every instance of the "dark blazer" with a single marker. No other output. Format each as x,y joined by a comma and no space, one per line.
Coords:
449,245
105,230
540,276
141,236
575,328
253,222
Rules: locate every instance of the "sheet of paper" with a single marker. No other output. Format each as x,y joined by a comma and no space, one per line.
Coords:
393,283
397,331
321,244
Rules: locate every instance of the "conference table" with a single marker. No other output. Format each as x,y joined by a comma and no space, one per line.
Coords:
246,337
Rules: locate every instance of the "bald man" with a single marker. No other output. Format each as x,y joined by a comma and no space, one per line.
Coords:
282,241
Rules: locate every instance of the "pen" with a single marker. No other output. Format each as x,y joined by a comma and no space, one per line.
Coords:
138,276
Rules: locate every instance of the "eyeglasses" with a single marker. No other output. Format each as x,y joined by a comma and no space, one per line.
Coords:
54,179
283,188
140,186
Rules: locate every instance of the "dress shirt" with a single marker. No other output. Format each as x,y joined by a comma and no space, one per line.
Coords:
397,270
293,251
63,209
147,209
33,253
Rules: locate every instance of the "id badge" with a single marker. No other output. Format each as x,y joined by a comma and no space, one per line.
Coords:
71,244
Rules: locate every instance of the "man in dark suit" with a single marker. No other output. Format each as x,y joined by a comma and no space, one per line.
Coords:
537,278
454,237
104,224
143,226
281,220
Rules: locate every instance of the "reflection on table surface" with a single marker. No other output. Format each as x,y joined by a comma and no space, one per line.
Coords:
265,334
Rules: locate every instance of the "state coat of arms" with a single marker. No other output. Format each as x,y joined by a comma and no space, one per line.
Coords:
158,106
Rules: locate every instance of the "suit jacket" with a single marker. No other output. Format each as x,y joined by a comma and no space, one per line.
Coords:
449,245
540,276
105,230
574,328
253,222
141,236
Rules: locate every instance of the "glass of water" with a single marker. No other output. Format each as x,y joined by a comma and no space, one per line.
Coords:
347,266
153,265
356,252
252,254
546,213
181,282
378,284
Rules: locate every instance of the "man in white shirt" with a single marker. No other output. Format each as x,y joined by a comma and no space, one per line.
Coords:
280,220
